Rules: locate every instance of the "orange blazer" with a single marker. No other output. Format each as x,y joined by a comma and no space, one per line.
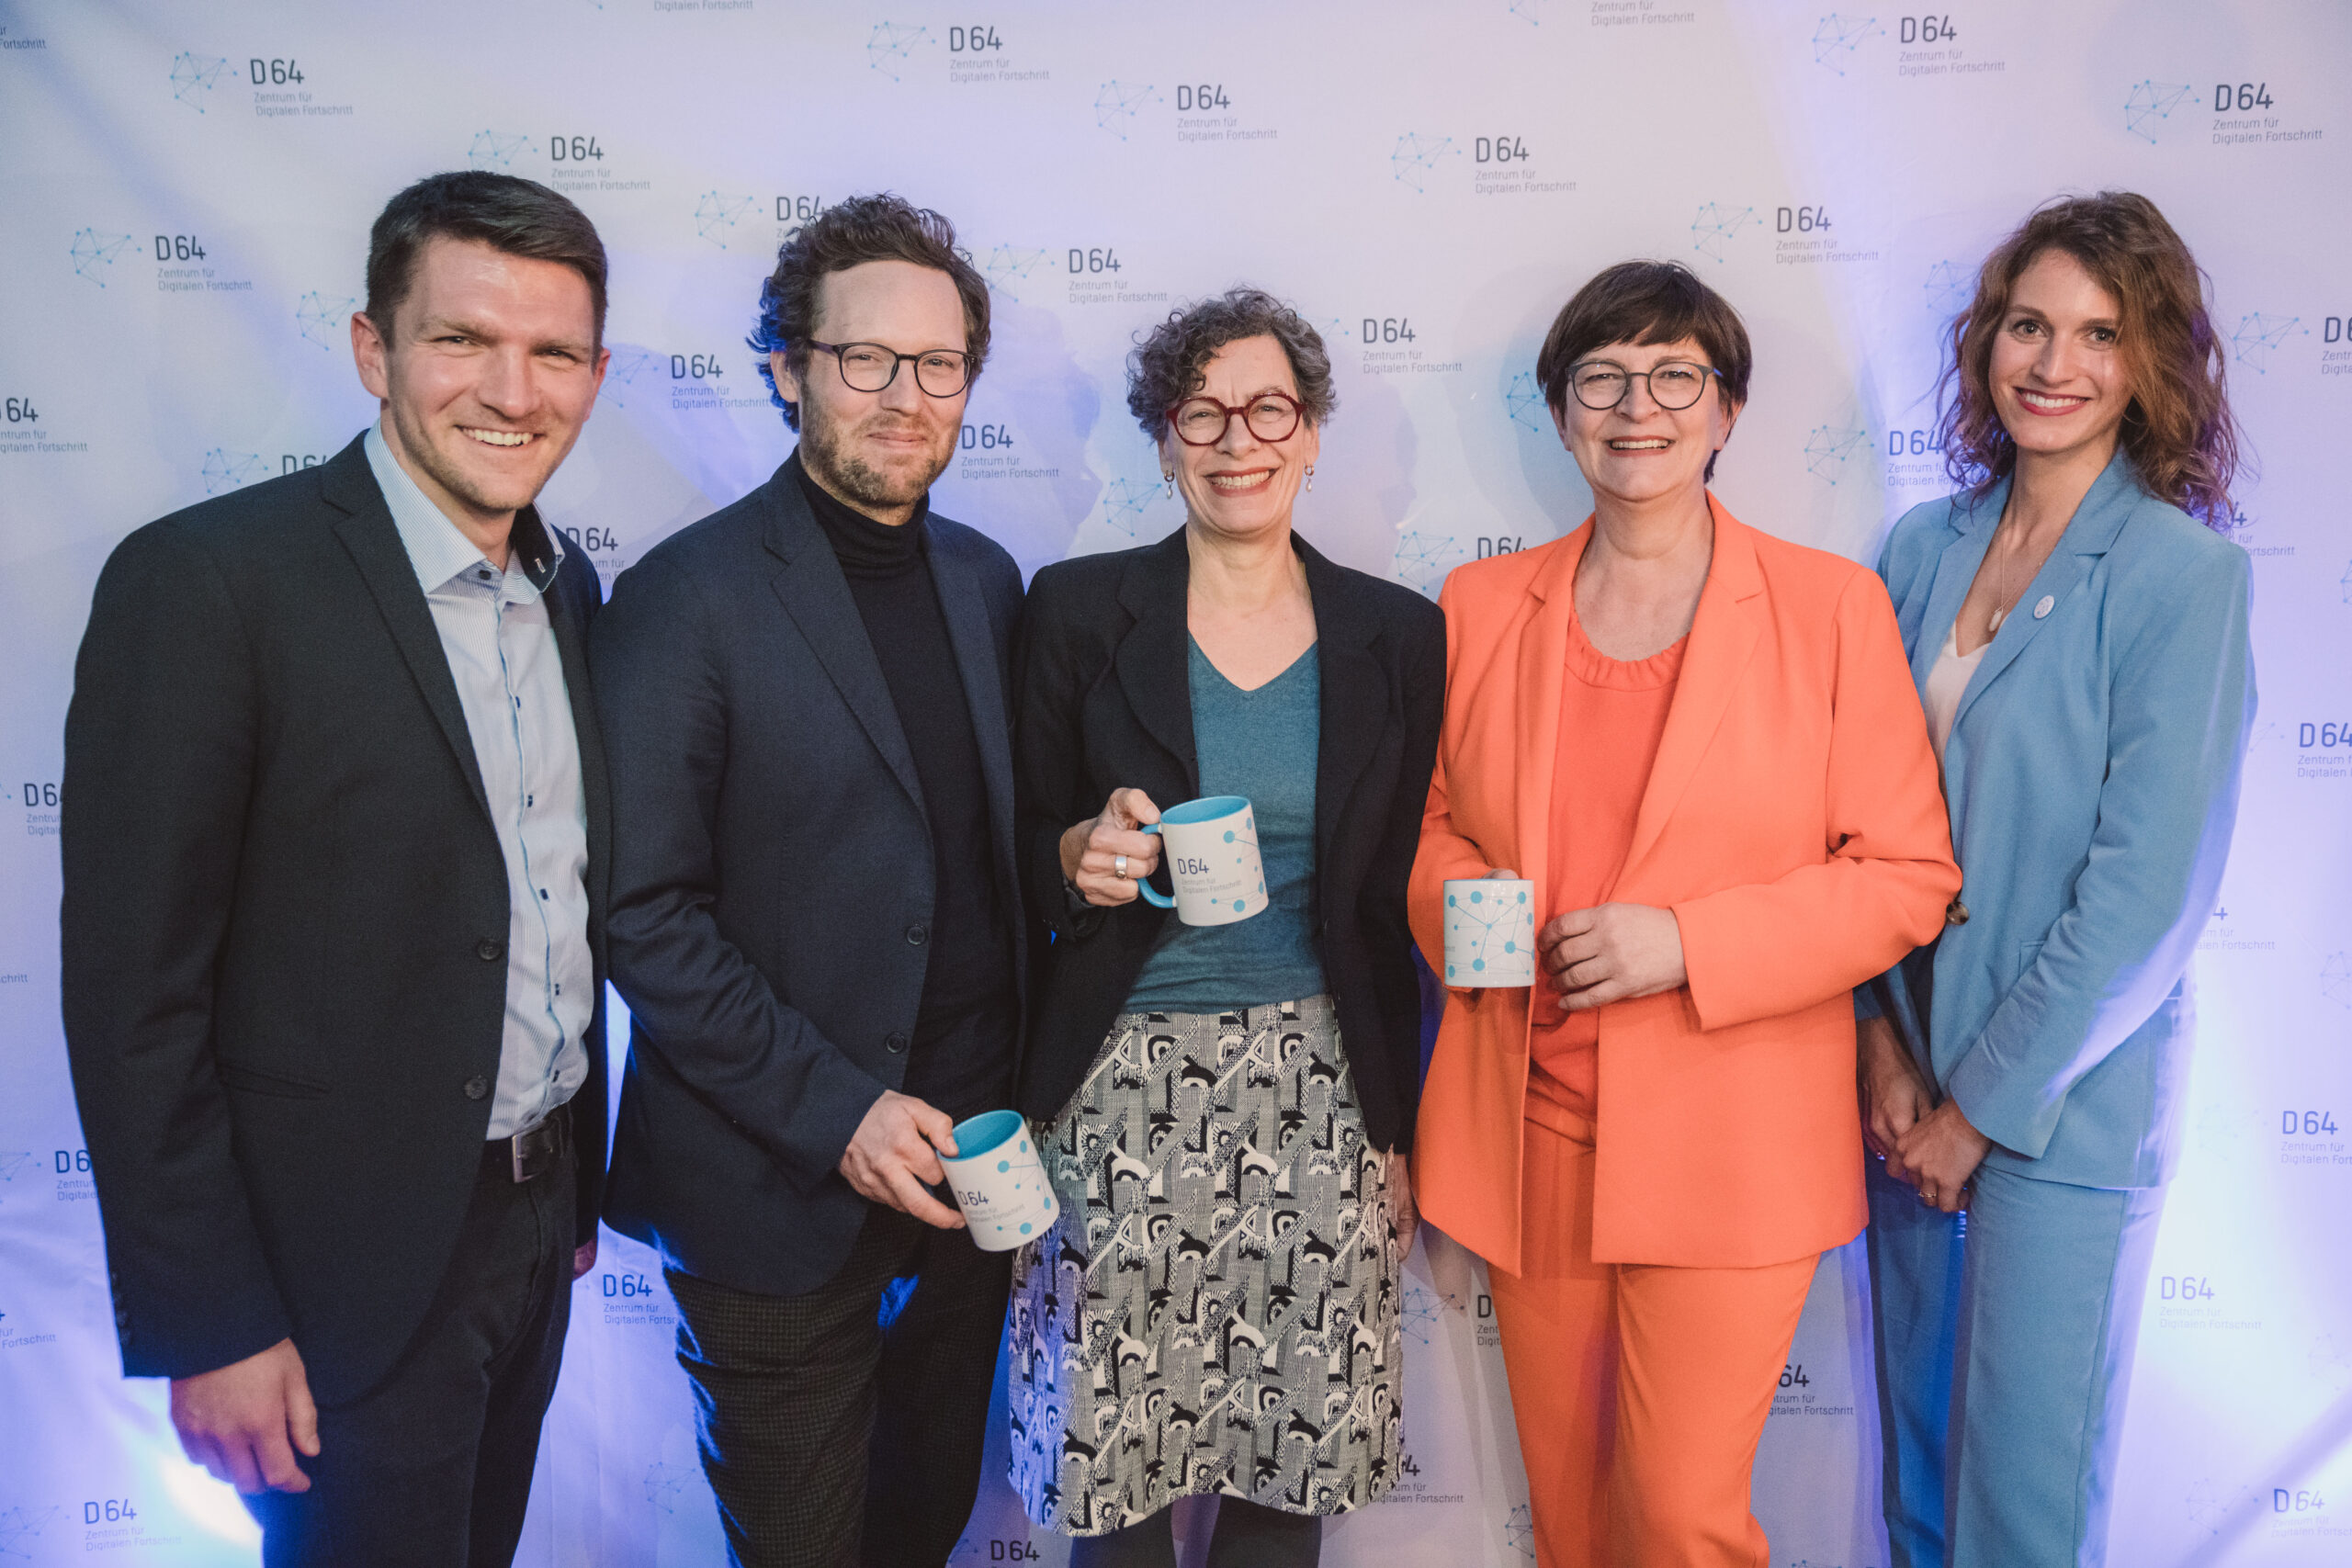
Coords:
1794,824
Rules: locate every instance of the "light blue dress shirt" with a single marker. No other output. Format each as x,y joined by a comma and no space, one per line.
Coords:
502,656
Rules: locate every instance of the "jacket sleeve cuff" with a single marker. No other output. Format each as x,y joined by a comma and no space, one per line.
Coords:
2018,1120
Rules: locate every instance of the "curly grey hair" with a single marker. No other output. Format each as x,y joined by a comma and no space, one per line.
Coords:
1171,363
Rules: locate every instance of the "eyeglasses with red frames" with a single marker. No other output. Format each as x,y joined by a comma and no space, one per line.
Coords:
1203,422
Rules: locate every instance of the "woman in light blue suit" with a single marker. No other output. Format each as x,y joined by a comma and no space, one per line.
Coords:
2079,637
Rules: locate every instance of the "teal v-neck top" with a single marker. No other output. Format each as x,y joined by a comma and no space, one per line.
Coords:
1262,744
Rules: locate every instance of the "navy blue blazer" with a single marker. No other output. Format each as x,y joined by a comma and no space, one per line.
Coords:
771,854
2092,776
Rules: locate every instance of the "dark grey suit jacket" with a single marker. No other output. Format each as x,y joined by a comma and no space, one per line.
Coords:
285,928
775,875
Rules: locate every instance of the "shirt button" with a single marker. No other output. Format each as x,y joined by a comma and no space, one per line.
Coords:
895,1044
476,1087
917,934
1956,913
490,950
543,892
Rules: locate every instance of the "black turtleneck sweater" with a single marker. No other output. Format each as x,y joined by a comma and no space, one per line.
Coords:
961,1060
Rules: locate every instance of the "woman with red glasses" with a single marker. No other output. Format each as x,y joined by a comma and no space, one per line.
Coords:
1222,1108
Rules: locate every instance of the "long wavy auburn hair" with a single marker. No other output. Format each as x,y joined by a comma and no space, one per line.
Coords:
2177,427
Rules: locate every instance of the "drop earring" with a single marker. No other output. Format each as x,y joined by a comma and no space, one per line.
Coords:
1310,479
1169,481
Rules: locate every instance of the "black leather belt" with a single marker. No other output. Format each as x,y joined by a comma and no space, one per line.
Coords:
527,1155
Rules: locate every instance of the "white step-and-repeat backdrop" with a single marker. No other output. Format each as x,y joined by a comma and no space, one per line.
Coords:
185,194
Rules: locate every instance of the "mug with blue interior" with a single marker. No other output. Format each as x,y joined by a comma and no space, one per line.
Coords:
1000,1181
1212,860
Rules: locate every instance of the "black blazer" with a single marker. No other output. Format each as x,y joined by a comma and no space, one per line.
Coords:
285,928
774,869
1106,701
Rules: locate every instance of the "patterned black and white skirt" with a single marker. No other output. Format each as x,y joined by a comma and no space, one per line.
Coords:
1217,1309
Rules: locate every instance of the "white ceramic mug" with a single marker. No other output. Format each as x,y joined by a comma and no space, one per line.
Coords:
1212,859
999,1182
1489,931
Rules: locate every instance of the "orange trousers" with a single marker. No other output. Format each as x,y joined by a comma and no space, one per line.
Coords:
1640,1391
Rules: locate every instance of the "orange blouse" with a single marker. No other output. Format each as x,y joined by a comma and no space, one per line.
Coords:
1613,712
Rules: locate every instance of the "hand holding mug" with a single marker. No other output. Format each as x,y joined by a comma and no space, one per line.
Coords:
1107,855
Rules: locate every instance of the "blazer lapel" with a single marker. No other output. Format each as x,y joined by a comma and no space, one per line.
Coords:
1956,569
1722,637
2089,533
816,595
1355,698
1153,658
974,642
1543,666
366,531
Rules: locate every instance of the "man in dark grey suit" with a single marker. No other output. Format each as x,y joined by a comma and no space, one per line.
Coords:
815,915
335,837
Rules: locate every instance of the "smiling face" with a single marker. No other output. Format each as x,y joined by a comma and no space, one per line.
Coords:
879,451
1638,451
488,370
1242,487
2059,381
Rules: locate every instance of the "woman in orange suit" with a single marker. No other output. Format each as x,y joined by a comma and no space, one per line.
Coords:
1702,745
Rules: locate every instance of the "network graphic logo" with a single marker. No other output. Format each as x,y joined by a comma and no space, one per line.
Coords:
94,253
717,215
1009,265
1519,1530
2258,334
2152,103
2211,1503
1423,560
890,48
1525,11
1524,402
628,362
1836,39
194,76
1419,1315
320,319
667,1484
2335,969
1116,103
1417,156
1949,290
1830,448
495,150
1717,226
225,470
1124,502
18,1526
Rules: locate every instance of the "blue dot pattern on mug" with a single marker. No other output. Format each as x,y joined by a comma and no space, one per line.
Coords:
1496,926
1248,825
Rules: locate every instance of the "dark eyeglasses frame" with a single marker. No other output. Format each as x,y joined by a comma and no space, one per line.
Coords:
1297,414
1633,376
897,359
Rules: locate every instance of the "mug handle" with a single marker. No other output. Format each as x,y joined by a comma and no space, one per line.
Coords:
1152,895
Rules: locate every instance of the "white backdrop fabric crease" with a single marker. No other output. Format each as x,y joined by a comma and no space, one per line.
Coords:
183,205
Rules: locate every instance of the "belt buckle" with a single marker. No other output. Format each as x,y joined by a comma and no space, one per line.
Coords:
534,1152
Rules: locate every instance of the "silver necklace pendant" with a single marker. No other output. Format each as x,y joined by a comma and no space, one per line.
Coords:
1994,625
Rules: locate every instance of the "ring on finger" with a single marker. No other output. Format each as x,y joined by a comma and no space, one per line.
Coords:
1119,866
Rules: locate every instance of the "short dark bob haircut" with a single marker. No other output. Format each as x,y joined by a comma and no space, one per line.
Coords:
518,217
1648,303
2177,428
1171,362
881,227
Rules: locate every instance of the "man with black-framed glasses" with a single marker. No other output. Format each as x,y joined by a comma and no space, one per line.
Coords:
816,915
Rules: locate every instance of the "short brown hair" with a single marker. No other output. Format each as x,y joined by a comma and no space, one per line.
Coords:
1646,302
506,212
1171,362
2177,428
862,229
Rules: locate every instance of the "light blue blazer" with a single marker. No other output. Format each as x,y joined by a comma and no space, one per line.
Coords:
2092,776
